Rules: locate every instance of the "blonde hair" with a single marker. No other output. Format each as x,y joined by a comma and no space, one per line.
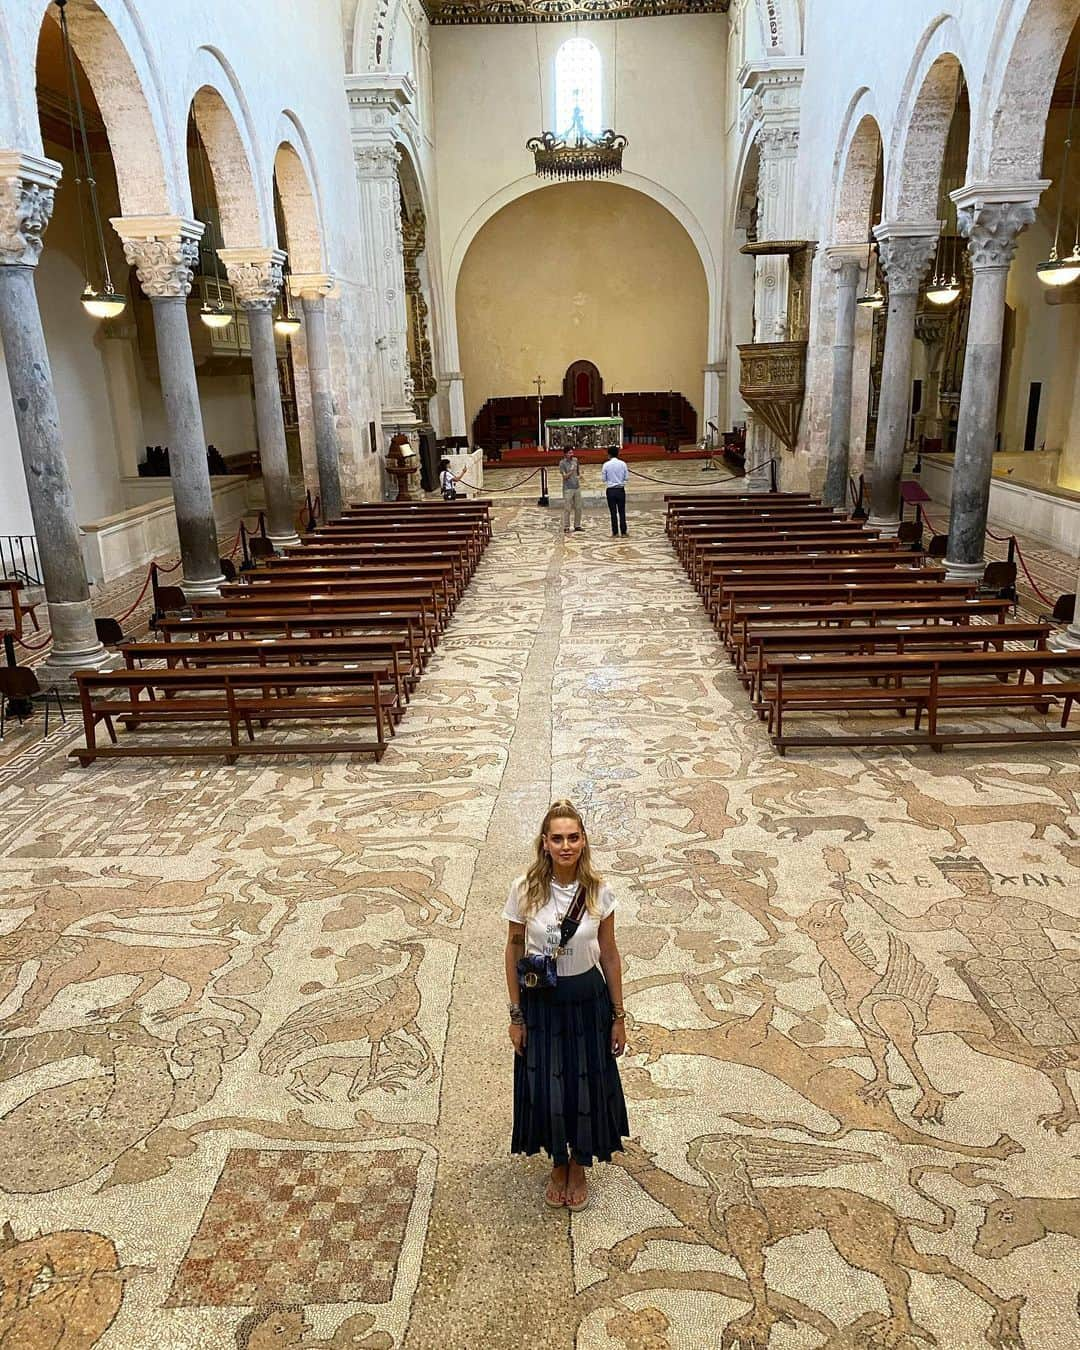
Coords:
534,892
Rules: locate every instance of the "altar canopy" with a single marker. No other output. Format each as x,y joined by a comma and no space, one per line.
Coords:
583,433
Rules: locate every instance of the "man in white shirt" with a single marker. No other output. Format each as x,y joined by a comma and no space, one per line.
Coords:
614,474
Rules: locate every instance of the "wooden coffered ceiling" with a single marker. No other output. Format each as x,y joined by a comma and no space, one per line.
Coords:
552,11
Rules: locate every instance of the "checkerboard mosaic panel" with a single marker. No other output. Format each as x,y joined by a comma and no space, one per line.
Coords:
300,1226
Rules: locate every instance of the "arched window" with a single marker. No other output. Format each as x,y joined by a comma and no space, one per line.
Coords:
577,85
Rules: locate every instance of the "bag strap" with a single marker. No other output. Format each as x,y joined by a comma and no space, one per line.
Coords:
574,915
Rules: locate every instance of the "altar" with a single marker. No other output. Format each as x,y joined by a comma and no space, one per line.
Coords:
583,433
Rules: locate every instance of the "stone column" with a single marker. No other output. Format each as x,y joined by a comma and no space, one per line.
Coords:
164,250
990,216
27,184
761,445
906,253
376,103
844,261
312,290
255,275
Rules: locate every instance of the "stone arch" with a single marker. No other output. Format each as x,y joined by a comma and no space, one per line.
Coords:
12,131
855,172
224,122
298,191
529,183
109,42
374,19
1009,118
921,126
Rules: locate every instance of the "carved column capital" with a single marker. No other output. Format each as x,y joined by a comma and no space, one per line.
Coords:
906,252
27,186
255,274
845,261
163,250
376,159
991,216
312,285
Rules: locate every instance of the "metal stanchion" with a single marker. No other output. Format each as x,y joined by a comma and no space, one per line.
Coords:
543,499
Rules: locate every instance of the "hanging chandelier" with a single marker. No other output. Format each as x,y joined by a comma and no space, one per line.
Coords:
870,299
944,286
213,314
1056,271
287,323
576,154
104,301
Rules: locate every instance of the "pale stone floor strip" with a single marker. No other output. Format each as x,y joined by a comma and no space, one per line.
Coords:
253,1049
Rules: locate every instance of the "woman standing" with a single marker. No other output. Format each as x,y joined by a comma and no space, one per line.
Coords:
564,977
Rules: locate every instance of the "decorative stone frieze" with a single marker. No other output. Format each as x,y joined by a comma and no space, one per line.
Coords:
164,251
27,187
255,275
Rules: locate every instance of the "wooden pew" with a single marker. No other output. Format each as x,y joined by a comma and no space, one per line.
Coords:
232,695
418,603
819,563
394,626
469,507
850,592
389,655
295,570
926,682
807,643
436,589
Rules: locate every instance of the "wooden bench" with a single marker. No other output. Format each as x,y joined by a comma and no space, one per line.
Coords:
469,507
818,564
232,695
471,538
921,683
389,655
419,604
750,618
435,589
846,592
405,631
294,570
807,643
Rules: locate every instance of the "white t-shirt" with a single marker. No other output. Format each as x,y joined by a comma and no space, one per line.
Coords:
615,473
542,929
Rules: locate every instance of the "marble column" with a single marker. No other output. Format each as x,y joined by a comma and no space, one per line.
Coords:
760,465
380,216
164,251
255,274
844,261
27,184
906,253
312,290
991,217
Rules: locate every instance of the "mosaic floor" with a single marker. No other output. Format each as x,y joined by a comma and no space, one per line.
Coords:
254,1072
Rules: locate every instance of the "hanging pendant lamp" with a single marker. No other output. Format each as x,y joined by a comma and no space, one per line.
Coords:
214,314
287,323
103,301
870,299
1057,271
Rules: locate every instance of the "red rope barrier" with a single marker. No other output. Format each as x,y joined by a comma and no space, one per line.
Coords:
1027,572
169,567
678,482
35,646
138,599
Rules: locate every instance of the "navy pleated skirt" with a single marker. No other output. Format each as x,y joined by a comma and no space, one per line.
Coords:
567,1091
